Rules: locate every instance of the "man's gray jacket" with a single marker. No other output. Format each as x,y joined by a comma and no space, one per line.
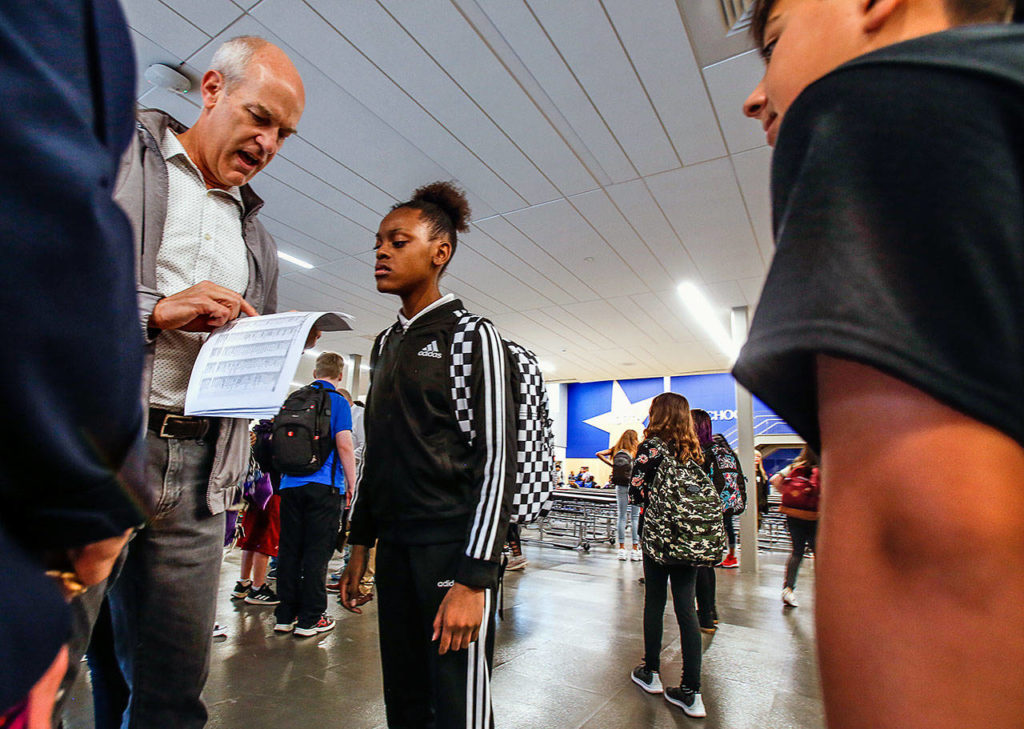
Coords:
142,191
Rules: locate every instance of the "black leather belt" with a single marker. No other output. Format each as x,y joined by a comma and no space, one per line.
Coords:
183,427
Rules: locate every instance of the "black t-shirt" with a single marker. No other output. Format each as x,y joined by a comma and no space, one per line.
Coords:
898,209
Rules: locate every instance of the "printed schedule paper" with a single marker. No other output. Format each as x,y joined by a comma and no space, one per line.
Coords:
245,368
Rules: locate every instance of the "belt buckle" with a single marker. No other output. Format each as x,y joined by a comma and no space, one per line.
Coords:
163,425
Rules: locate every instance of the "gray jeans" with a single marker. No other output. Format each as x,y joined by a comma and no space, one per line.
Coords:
164,601
624,508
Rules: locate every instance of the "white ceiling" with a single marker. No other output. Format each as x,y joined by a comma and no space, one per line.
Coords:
604,166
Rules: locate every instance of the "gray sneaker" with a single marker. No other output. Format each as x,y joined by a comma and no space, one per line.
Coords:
649,681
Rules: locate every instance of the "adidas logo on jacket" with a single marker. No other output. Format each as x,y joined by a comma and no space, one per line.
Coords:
422,482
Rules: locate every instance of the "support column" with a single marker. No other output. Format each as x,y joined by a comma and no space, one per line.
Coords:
745,451
356,375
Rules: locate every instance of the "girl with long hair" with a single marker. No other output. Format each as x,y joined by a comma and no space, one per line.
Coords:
682,530
800,488
707,613
620,457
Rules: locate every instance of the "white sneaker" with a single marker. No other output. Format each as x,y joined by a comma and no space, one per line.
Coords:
691,703
634,555
649,681
622,555
789,597
219,631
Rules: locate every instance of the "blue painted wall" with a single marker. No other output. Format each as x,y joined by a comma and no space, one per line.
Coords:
714,393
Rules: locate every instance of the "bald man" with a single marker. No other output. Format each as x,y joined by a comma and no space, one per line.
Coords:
203,259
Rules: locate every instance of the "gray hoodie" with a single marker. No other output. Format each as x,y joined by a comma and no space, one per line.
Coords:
142,191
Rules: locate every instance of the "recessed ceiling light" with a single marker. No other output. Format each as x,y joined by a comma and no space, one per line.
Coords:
707,317
292,259
588,259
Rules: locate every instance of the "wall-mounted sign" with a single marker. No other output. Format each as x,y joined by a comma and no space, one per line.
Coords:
599,412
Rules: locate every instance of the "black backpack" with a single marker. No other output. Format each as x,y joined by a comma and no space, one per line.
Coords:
622,468
301,440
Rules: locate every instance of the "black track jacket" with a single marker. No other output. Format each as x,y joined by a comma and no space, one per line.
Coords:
422,481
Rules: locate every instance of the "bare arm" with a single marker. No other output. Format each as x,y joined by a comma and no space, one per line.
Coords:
346,454
921,543
605,456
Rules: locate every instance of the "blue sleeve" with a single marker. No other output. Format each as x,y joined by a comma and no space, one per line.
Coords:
341,415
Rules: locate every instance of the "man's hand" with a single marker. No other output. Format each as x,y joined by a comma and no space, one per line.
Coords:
199,308
93,562
313,338
458,619
351,598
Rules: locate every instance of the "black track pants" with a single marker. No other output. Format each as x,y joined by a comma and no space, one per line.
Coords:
423,690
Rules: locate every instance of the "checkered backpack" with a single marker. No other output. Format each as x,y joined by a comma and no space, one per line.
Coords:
535,464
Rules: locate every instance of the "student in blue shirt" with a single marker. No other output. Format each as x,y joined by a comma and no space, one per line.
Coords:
310,510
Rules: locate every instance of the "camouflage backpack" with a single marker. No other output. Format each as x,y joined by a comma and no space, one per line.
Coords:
683,518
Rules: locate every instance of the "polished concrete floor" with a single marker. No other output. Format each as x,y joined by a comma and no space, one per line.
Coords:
570,636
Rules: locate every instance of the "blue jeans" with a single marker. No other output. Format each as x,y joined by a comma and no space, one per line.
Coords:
622,502
163,603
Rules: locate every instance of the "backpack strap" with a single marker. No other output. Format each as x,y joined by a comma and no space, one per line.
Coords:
461,370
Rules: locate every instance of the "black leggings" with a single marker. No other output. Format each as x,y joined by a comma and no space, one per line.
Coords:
730,530
656,579
802,532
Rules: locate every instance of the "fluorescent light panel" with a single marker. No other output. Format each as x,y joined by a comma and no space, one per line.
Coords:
709,320
292,259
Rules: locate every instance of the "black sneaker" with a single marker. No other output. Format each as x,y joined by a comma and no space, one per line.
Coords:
649,681
272,575
322,626
707,624
689,701
242,588
263,596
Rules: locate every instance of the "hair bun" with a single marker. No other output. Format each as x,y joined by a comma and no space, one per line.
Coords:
448,197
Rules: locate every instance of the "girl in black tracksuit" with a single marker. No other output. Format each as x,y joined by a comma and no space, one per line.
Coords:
436,498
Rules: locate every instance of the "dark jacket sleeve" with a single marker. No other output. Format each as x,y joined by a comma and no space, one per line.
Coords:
645,468
494,429
71,364
362,527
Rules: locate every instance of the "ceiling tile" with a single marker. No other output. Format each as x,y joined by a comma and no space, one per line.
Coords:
565,234
482,79
753,170
602,213
635,202
704,204
534,49
500,254
730,82
539,256
658,46
586,40
176,105
164,27
210,16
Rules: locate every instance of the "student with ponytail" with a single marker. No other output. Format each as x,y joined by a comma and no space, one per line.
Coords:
435,499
